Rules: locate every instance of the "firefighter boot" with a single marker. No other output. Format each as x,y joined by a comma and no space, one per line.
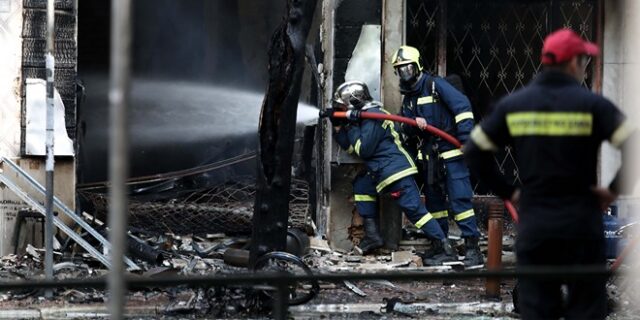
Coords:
432,251
444,254
372,239
473,258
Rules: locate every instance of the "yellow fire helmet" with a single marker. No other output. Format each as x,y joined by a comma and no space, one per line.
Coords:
406,55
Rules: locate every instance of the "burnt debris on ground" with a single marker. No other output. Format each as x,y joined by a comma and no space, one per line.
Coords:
220,254
170,254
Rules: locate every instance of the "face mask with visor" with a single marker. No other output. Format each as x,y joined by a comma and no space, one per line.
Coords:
407,72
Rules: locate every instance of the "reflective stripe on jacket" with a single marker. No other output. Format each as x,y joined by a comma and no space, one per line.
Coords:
447,109
378,143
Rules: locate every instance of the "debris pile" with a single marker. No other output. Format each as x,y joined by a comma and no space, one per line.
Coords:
211,254
218,253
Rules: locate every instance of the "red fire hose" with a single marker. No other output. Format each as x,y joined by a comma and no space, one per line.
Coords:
431,129
435,131
625,252
379,116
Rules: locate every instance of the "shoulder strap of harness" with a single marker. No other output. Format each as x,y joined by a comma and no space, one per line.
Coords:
431,83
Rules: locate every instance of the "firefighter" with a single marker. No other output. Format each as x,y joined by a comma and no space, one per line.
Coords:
432,100
389,168
555,126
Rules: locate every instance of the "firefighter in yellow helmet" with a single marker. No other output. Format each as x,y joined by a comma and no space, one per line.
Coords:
431,99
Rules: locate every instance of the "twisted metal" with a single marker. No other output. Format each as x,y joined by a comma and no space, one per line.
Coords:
226,207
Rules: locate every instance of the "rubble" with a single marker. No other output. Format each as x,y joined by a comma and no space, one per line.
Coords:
205,255
355,289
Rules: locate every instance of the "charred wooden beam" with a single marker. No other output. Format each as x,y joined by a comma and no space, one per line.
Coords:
277,128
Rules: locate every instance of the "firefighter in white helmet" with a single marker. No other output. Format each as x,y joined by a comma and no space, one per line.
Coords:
389,169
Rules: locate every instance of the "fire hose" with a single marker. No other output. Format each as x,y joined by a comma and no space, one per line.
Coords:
429,128
449,138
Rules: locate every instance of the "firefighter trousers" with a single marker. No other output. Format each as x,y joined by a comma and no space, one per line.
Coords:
458,188
543,298
406,195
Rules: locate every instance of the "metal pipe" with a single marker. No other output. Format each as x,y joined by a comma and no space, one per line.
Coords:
494,250
281,302
537,272
118,151
49,162
144,251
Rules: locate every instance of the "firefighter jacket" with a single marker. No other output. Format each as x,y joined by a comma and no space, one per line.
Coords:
378,143
555,127
442,106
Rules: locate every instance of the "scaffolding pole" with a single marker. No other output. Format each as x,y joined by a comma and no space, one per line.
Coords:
49,164
118,154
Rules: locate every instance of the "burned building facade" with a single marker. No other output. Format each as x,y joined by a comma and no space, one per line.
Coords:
493,45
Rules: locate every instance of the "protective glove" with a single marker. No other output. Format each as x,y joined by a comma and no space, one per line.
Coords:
421,122
329,113
338,121
354,115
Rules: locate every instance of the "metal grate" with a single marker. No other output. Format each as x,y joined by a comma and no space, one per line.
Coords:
227,208
498,48
494,45
580,16
425,17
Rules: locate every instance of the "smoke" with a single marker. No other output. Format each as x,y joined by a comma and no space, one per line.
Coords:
200,69
171,38
217,41
212,40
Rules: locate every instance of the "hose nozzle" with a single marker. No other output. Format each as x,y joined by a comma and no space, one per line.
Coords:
328,113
